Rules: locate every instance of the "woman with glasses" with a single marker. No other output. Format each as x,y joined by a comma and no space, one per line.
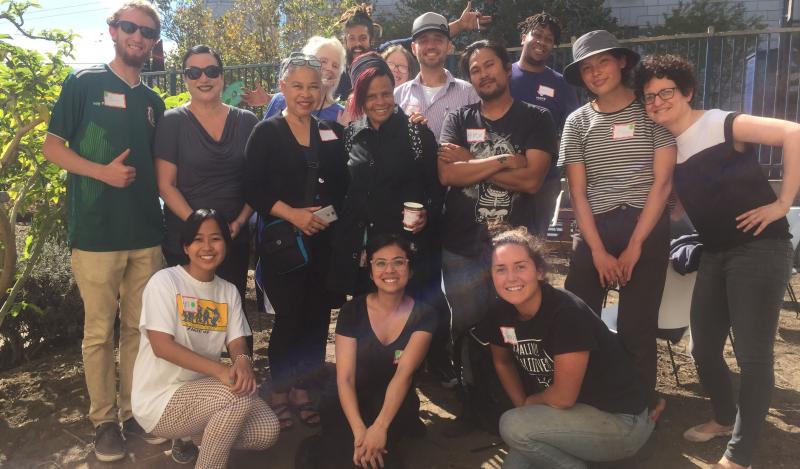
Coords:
391,161
619,167
200,162
747,255
281,153
181,389
402,64
331,55
381,340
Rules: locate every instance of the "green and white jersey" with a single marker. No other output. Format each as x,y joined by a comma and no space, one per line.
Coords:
100,116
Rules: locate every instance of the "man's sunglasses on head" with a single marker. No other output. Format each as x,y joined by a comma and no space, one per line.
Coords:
129,28
194,73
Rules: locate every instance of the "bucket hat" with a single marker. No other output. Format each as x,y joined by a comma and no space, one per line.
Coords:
593,43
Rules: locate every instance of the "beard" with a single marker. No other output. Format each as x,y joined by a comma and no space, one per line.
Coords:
129,59
533,62
493,94
355,52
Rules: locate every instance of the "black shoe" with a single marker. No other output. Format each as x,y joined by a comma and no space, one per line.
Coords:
108,443
132,427
184,452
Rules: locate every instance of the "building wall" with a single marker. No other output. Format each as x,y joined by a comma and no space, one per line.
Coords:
642,12
219,7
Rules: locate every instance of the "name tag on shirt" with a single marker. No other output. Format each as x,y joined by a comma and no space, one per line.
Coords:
116,100
509,335
547,91
327,135
623,131
397,355
476,135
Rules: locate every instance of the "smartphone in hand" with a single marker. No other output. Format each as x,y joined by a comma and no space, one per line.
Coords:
327,213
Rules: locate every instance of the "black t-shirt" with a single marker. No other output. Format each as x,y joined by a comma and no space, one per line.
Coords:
470,210
375,362
564,324
716,183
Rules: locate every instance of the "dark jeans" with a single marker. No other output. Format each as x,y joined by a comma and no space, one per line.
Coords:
740,288
640,299
337,436
302,313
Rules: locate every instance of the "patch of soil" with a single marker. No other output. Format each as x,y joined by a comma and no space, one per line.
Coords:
43,407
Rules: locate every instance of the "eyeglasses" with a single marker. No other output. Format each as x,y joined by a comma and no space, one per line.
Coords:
665,94
398,263
211,71
398,67
129,28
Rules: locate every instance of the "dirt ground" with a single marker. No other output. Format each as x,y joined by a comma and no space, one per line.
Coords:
43,422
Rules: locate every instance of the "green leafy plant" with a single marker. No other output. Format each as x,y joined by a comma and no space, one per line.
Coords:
30,83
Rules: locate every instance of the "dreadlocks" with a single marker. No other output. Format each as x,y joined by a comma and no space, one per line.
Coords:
360,15
544,20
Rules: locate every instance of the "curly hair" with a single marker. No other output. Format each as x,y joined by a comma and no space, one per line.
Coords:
521,237
673,67
544,20
360,15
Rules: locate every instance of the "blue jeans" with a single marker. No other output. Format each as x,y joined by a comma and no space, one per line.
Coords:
741,288
541,437
468,289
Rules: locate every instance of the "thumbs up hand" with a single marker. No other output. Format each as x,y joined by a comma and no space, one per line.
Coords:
117,173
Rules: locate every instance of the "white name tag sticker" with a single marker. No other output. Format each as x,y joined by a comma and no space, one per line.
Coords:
623,131
509,335
116,100
327,135
547,91
476,135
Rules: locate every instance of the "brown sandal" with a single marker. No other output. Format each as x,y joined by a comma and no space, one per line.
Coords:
285,419
312,418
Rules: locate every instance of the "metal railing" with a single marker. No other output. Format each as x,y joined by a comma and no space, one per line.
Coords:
756,72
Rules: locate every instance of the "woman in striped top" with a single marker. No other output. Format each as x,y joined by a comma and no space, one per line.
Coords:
619,166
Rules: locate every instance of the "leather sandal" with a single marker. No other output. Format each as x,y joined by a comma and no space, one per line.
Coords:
285,419
311,418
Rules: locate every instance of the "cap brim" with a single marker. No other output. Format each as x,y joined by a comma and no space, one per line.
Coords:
572,71
428,29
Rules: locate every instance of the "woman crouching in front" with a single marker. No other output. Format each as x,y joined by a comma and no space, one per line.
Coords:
381,340
180,388
577,398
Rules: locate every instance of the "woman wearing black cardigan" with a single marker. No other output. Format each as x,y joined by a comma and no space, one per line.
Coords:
280,153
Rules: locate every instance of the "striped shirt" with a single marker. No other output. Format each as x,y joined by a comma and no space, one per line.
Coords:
455,94
617,150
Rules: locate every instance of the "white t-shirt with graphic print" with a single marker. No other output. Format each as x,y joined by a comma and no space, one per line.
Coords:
202,316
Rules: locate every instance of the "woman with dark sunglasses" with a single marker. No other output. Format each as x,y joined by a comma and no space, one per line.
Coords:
200,161
296,166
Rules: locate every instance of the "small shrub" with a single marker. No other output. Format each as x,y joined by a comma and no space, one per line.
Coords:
50,313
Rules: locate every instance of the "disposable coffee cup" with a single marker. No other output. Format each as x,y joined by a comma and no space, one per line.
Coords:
412,212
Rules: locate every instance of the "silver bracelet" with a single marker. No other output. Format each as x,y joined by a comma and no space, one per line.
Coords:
245,356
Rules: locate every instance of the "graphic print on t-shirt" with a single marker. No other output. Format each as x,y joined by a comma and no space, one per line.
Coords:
492,202
202,315
534,360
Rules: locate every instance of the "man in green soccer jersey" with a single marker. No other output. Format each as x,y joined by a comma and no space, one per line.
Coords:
101,131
